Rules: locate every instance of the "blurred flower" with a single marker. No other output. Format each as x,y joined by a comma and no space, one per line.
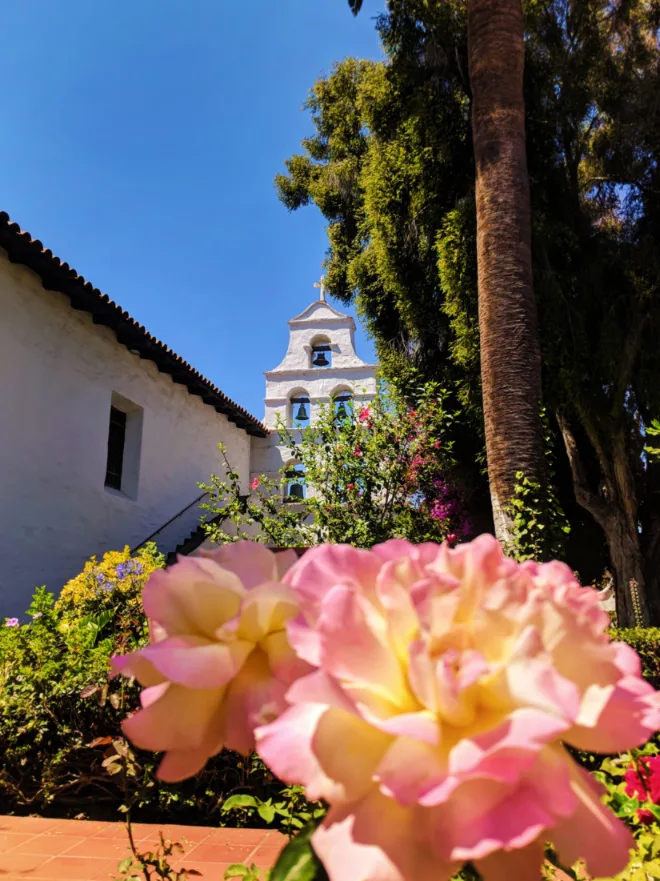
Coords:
12,622
254,484
218,662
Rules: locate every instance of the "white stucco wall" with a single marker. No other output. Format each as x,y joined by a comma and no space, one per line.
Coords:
58,373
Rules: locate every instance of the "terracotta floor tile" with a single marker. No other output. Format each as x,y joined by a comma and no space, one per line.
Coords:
71,869
209,852
99,847
10,840
193,834
107,873
239,836
265,856
34,825
50,845
208,871
82,828
21,862
115,830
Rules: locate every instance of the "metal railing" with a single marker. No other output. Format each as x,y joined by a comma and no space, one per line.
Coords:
169,522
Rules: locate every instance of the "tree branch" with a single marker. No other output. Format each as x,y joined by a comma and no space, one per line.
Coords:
630,350
584,495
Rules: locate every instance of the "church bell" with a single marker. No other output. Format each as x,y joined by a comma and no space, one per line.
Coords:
341,411
301,415
320,360
296,491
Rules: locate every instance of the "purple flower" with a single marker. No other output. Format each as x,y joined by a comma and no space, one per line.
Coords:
100,577
12,622
122,570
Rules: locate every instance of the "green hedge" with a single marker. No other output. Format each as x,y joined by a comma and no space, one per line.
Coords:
646,642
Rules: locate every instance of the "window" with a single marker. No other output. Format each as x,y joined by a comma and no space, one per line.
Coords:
321,352
116,443
295,488
124,446
343,405
321,356
300,410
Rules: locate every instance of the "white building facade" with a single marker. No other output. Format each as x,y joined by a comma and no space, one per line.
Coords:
104,432
320,366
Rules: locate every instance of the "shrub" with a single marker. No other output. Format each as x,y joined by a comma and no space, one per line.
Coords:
55,698
60,717
385,471
646,642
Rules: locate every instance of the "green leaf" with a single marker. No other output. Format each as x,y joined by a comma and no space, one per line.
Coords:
237,870
266,812
239,801
126,864
298,862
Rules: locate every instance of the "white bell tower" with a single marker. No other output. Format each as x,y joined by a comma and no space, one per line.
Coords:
320,365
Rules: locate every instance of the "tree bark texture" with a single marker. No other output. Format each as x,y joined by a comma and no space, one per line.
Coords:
510,349
615,508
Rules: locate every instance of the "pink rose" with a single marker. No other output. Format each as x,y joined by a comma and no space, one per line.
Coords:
447,682
218,662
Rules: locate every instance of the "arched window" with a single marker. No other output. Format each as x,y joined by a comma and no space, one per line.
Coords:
342,403
295,489
299,409
321,352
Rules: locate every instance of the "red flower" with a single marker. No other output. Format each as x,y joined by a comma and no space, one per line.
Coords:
357,451
365,412
643,783
350,487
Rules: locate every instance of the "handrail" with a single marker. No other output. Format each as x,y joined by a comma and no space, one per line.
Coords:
171,520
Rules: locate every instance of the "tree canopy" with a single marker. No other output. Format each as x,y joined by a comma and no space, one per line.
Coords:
391,167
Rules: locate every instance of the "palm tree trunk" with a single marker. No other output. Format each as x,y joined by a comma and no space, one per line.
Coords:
510,350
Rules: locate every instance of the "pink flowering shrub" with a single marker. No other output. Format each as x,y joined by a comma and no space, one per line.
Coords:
218,662
447,682
643,783
425,693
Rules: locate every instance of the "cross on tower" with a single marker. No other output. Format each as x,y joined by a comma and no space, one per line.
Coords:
321,285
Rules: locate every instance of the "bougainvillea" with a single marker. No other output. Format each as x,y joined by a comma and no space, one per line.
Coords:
384,471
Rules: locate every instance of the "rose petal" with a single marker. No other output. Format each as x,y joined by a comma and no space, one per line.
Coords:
592,832
195,597
197,663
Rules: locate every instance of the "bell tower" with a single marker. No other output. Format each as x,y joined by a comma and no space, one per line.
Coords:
320,365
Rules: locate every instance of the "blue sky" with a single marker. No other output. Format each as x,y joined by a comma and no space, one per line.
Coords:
139,142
